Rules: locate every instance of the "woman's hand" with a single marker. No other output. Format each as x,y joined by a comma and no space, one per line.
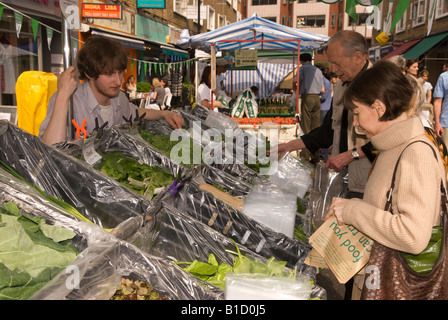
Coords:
336,209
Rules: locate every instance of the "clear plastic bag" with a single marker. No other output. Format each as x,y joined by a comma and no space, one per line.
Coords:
272,207
262,287
327,185
293,175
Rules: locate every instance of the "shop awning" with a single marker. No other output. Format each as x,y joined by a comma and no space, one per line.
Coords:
171,51
424,45
404,47
127,42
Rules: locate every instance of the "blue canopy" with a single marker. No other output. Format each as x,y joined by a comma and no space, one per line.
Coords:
252,28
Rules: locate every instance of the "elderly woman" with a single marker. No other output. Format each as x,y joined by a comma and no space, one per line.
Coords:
386,118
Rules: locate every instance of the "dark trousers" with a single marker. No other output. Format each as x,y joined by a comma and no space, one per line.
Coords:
310,120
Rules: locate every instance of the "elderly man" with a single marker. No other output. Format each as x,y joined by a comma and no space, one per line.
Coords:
347,54
348,57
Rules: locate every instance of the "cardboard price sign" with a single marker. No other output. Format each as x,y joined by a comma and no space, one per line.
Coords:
344,249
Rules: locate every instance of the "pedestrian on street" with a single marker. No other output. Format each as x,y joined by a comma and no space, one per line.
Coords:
427,86
387,119
101,63
441,106
311,87
412,67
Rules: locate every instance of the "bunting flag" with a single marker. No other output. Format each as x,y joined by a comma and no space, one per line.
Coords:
388,21
19,20
1,10
35,27
350,9
49,37
399,11
432,10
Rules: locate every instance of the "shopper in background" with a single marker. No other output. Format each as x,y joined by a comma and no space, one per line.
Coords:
205,95
101,63
221,68
399,61
427,86
165,84
441,106
422,108
412,67
311,87
385,118
131,87
159,92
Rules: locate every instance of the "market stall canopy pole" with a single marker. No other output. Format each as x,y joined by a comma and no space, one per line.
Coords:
67,62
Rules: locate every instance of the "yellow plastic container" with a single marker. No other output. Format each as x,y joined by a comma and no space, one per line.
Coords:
33,90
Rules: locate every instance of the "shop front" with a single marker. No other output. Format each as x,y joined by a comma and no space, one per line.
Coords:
30,40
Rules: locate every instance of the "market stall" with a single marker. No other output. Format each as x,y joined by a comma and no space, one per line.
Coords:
256,34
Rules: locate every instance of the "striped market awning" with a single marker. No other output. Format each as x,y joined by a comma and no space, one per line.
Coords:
267,77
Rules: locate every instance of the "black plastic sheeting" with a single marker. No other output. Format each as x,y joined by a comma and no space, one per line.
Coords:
97,197
103,259
178,237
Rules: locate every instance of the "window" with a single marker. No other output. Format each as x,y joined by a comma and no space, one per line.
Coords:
263,2
333,20
24,57
235,5
285,20
180,7
362,18
211,18
195,3
273,19
418,10
401,25
221,21
441,8
311,21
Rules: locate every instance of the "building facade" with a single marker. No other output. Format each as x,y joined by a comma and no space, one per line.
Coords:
415,36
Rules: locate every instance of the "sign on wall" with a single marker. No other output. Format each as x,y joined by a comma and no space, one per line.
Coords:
101,11
151,4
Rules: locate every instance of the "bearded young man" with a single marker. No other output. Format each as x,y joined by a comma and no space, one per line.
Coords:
101,64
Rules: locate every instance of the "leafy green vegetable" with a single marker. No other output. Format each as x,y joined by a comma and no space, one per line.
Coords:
300,208
164,144
28,258
215,274
140,177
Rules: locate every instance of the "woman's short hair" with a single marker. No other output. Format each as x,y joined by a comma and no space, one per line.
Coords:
385,82
156,82
100,55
